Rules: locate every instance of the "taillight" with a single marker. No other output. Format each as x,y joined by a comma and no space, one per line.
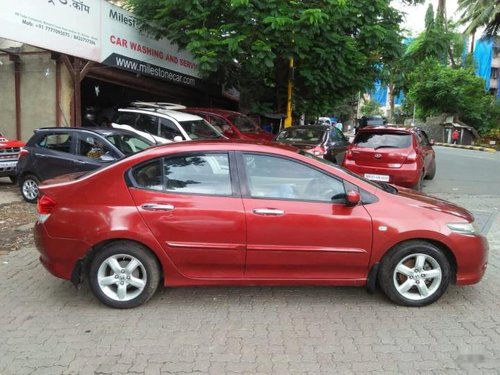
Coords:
22,152
348,154
412,157
318,151
45,206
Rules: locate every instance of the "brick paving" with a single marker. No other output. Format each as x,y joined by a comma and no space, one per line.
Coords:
48,327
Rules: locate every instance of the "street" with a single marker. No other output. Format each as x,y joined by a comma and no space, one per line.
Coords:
49,327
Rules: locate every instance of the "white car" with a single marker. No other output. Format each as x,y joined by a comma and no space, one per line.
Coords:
161,123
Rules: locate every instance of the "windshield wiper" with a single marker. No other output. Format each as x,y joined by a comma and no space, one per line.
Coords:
385,146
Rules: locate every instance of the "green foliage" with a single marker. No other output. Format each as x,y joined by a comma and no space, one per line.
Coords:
437,89
478,13
338,46
371,108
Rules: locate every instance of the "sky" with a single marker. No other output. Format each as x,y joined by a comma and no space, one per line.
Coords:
415,15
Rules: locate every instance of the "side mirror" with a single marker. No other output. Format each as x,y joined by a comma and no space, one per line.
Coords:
432,142
107,157
352,198
229,132
178,138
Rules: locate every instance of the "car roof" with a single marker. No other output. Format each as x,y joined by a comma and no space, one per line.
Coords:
224,145
308,127
386,129
177,115
101,131
217,111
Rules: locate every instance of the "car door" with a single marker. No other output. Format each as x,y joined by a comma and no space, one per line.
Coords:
336,146
191,204
92,152
53,154
295,229
425,148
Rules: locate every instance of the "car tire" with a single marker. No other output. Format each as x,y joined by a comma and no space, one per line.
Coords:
432,171
414,273
29,188
124,275
418,185
13,179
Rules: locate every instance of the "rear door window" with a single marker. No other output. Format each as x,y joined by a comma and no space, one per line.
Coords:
125,118
61,142
147,124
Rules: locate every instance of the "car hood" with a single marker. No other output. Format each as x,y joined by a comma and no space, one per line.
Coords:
6,143
435,204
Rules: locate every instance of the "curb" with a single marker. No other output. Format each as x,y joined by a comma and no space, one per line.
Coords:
477,148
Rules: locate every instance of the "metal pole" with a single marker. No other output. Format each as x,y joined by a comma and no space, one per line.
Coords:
288,119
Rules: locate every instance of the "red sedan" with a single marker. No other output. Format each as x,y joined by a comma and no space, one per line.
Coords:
236,213
234,125
400,156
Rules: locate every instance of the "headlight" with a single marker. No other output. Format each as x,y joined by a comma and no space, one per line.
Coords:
464,228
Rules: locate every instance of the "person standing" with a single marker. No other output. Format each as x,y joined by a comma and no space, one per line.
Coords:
454,136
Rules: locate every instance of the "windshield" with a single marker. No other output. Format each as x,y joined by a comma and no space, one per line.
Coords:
129,144
378,140
243,123
200,129
301,135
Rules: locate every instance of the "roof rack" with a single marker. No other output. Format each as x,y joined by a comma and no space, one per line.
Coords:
157,105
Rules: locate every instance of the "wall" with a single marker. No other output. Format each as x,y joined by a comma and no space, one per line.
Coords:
7,98
37,92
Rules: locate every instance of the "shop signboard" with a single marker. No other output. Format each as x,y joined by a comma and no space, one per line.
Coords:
68,26
125,47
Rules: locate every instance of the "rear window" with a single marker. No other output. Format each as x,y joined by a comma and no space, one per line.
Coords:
243,123
301,135
382,140
200,129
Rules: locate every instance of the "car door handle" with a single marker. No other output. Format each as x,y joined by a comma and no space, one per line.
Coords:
79,161
157,207
268,211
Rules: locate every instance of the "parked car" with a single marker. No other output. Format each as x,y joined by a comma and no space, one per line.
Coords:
324,141
163,123
234,125
9,153
224,212
400,156
51,152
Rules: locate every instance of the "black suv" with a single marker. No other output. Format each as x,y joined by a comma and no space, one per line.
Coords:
51,152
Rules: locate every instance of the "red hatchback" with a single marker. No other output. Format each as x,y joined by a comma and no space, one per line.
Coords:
232,124
236,213
400,156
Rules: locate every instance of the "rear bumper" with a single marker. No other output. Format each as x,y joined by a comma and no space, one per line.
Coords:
407,175
58,255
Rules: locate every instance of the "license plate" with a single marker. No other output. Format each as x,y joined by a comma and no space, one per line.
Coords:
8,164
377,177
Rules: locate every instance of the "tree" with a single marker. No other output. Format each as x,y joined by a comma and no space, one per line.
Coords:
437,89
479,13
439,41
371,108
337,46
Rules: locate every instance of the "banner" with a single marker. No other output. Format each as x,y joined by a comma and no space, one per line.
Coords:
120,35
68,26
